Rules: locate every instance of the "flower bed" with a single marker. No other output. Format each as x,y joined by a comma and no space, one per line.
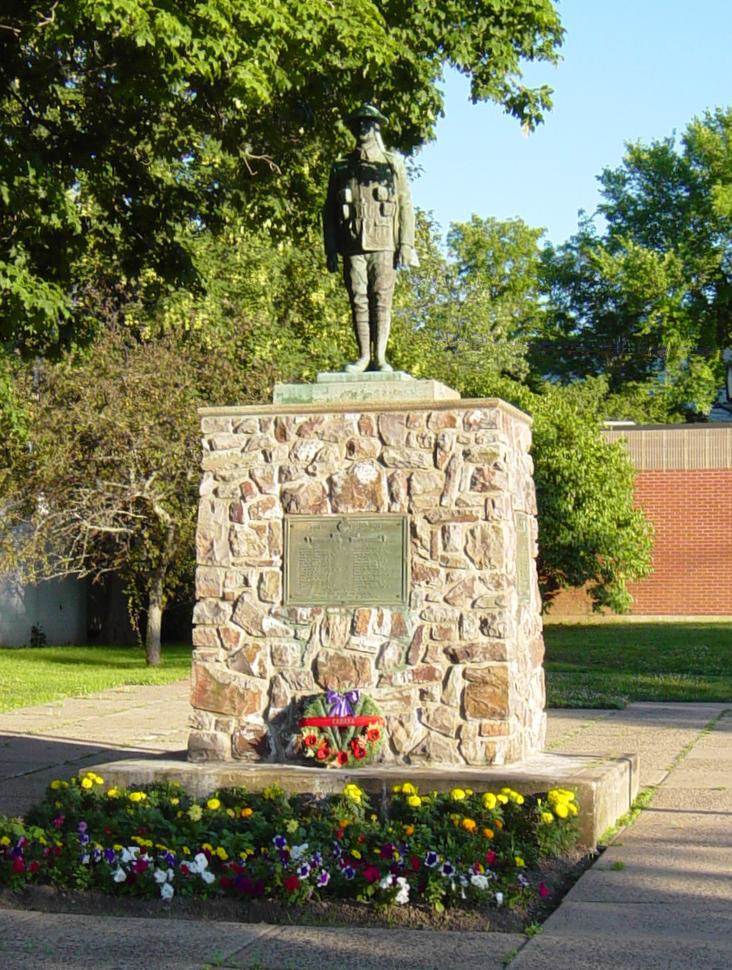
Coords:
456,848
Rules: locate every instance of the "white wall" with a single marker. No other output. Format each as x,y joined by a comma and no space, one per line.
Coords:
58,608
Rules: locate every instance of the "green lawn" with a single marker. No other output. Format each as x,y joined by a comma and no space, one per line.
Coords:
34,675
608,665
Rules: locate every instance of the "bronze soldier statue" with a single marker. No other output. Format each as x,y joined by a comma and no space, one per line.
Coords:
369,220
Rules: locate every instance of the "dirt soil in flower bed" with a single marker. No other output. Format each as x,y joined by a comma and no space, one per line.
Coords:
559,875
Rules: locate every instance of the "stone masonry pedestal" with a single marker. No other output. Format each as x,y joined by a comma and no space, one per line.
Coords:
457,670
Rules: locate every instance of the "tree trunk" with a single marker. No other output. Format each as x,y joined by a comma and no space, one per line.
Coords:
154,619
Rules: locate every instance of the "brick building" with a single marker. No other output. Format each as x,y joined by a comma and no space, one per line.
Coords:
684,485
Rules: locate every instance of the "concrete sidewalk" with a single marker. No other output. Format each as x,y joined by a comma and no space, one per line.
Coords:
659,897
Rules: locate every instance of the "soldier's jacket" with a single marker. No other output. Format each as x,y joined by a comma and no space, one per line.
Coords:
368,207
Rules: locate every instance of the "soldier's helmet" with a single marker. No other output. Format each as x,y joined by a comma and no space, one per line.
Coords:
367,111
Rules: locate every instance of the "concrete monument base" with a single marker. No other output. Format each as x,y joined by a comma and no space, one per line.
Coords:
605,787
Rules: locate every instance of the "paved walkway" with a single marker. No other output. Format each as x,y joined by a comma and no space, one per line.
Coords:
659,897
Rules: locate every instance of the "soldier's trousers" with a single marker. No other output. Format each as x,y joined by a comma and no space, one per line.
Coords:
369,279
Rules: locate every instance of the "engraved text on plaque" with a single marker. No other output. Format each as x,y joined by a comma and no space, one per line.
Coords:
346,560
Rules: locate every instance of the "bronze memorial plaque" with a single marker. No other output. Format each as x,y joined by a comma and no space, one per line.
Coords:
346,560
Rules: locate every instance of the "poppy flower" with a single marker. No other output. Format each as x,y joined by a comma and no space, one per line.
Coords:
310,740
342,758
358,749
373,734
323,753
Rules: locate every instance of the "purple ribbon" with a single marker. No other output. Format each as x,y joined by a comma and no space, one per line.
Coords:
341,705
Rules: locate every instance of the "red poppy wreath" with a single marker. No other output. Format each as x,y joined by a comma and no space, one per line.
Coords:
341,730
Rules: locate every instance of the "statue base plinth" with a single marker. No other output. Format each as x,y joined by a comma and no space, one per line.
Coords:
383,386
605,786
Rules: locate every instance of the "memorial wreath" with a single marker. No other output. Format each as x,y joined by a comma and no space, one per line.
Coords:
339,730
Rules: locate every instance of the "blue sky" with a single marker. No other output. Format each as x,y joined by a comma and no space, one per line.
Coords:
631,70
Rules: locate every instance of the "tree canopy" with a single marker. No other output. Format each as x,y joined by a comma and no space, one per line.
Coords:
646,301
125,121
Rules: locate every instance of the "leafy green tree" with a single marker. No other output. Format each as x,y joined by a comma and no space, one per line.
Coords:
647,303
464,314
590,533
123,122
107,478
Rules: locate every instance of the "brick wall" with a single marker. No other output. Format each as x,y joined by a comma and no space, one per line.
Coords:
691,512
692,554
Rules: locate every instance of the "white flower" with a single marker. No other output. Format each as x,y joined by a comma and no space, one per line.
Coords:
85,859
499,899
208,877
480,882
402,896
160,876
167,891
298,851
119,875
130,853
201,862
385,882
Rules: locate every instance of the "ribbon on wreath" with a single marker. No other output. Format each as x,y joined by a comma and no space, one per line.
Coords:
341,705
349,720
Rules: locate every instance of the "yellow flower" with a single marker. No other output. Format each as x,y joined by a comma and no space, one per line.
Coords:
195,812
468,791
292,826
488,833
230,812
408,789
222,854
414,801
355,853
5,840
207,846
409,830
519,861
113,793
353,792
374,817
246,812
517,799
117,847
214,804
56,784
185,850
397,789
175,801
457,794
573,808
137,796
547,818
489,800
503,799
469,824
561,810
87,783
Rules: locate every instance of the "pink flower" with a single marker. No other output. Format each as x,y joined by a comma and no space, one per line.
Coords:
371,873
544,890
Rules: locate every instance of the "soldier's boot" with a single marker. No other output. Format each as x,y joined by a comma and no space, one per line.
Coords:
382,338
363,338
